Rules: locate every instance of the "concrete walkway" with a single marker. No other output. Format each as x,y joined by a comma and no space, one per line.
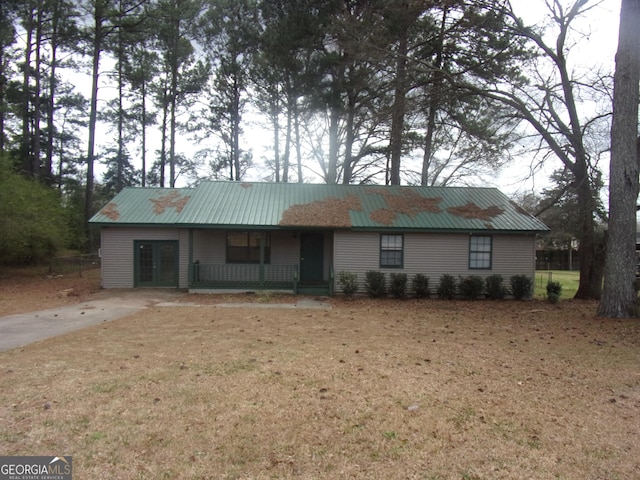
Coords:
25,328
302,302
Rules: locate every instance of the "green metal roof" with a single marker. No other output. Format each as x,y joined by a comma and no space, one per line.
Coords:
288,205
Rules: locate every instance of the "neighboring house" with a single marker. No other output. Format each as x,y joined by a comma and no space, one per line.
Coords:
297,237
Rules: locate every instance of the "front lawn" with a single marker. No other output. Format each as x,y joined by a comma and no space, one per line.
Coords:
369,389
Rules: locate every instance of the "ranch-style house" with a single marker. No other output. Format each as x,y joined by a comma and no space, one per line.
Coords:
246,236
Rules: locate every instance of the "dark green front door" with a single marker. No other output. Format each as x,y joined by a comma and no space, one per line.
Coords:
311,258
156,263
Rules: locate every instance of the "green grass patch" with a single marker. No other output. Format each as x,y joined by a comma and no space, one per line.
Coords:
568,279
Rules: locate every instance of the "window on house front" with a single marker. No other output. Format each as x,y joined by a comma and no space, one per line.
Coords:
391,251
244,247
480,248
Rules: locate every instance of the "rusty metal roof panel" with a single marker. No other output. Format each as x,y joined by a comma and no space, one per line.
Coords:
141,206
282,205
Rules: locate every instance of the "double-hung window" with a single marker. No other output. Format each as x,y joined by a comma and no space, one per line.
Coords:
244,247
391,251
480,249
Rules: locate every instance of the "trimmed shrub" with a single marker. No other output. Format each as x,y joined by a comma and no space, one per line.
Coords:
521,287
398,285
420,284
554,290
447,289
495,288
375,284
471,287
348,282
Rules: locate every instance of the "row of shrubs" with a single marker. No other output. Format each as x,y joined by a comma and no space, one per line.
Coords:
469,288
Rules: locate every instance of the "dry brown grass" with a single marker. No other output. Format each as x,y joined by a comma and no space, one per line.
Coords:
29,289
368,389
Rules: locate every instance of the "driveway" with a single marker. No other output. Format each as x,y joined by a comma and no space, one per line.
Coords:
25,328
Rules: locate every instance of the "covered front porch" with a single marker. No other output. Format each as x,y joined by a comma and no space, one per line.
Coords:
241,260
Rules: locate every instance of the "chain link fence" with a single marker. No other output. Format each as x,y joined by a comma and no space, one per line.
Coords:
74,264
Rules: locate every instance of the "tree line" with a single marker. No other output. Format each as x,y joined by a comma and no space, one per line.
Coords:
418,92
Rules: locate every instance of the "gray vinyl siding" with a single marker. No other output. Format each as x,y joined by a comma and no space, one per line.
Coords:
118,257
514,255
209,246
285,248
433,255
356,253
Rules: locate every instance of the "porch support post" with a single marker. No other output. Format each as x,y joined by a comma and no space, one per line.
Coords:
262,258
190,267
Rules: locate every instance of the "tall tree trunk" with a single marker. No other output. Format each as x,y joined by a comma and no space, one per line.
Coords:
433,96
236,127
37,110
93,112
120,156
588,287
296,124
174,56
172,127
286,159
399,107
425,178
48,166
347,165
331,174
144,132
2,100
163,144
120,113
275,118
26,152
619,294
60,169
